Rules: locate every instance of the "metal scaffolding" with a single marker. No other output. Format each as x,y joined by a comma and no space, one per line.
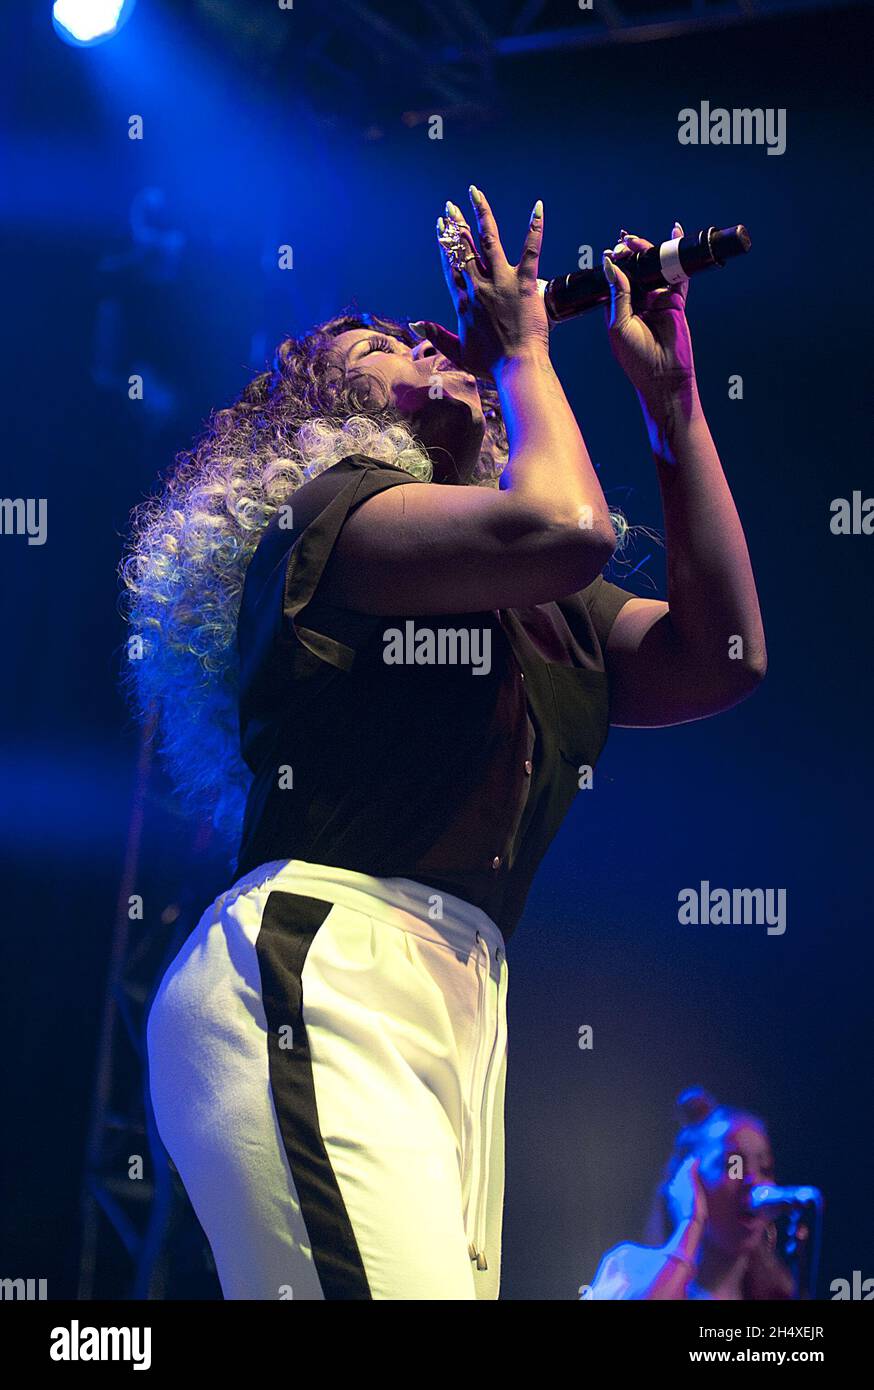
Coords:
449,53
140,1238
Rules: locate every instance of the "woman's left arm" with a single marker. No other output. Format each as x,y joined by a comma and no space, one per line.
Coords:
703,650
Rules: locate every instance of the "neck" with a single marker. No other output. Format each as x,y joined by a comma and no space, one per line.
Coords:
449,469
453,438
454,461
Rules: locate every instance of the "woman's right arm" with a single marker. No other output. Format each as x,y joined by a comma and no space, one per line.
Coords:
688,1203
647,1273
678,1271
547,532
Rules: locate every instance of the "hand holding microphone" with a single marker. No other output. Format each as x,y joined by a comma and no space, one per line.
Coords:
651,268
648,331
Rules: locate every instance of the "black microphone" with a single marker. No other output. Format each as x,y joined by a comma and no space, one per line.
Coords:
668,264
766,1195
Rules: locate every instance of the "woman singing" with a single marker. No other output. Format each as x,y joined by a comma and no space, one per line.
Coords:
371,601
718,1245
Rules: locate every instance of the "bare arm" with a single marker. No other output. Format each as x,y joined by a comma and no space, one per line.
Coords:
675,1275
547,532
703,650
688,1203
432,548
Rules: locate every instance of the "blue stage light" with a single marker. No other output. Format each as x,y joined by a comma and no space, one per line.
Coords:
87,22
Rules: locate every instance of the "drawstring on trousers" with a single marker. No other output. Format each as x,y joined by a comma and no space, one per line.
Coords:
483,1138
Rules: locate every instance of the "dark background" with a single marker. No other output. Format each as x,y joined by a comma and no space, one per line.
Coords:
155,257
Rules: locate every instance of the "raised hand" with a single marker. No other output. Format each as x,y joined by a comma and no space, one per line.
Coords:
648,331
686,1196
500,310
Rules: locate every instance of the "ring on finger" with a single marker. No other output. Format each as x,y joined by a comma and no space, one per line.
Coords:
454,243
456,260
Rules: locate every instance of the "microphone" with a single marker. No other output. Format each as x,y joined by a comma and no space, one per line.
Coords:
668,264
767,1196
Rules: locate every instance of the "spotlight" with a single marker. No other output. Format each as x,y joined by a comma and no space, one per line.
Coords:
88,22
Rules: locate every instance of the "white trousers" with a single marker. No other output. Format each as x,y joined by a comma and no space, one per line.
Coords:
327,1059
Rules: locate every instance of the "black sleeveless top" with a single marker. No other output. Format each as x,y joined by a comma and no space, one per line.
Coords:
441,748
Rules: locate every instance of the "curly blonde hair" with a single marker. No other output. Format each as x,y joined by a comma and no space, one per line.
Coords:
190,545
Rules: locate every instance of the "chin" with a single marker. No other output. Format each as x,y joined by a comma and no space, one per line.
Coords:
460,388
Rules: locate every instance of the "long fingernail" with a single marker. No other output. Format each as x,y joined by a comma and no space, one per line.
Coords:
441,226
454,212
475,196
537,210
679,228
607,267
417,328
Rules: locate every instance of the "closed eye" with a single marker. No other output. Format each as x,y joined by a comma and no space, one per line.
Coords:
378,345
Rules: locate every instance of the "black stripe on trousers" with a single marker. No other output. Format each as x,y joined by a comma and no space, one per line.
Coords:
289,923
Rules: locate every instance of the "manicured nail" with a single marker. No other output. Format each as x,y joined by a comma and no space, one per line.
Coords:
607,266
475,196
622,232
454,212
537,210
679,227
441,226
417,328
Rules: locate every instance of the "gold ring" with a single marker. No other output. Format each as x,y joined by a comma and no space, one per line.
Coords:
453,243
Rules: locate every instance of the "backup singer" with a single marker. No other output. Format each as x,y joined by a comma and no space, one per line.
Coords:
713,1244
327,1051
